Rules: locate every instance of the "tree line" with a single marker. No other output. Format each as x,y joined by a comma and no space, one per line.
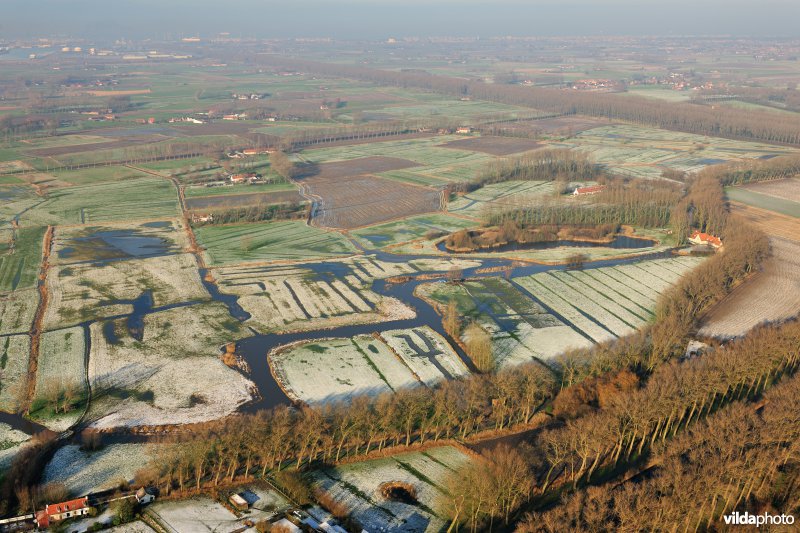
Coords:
680,410
741,458
287,438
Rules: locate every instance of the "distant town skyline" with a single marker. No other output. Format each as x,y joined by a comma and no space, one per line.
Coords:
377,19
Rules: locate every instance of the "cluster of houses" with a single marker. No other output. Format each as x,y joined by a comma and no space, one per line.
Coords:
245,177
294,522
595,85
248,96
674,80
58,512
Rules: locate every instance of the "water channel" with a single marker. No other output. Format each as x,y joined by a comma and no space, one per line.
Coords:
254,349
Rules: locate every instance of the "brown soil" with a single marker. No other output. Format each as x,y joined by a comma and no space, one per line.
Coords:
494,145
241,200
346,196
78,148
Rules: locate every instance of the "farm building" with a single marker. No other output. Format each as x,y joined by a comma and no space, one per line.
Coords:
285,525
144,496
238,502
593,189
464,130
61,511
256,151
705,238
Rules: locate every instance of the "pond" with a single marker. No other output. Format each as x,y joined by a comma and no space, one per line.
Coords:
618,242
115,244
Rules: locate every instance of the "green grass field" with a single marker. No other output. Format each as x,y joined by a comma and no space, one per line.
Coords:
133,199
408,229
270,241
763,201
98,175
18,270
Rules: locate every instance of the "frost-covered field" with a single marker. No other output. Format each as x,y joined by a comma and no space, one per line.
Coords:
329,370
309,297
332,370
61,366
204,514
84,472
14,353
609,302
16,311
772,295
82,291
426,353
521,329
172,376
11,442
505,195
109,242
358,485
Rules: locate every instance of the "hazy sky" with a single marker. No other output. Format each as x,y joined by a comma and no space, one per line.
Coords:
377,19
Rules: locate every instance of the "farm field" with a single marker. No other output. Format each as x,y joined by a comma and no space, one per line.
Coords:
19,266
347,195
772,223
61,388
228,201
132,199
335,370
610,302
494,145
15,200
502,196
199,191
270,241
106,243
358,487
771,295
409,229
133,370
88,176
786,189
84,472
202,513
783,204
16,311
86,291
11,442
432,164
644,152
14,354
287,299
521,330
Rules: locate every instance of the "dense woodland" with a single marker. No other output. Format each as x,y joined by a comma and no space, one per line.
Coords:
720,121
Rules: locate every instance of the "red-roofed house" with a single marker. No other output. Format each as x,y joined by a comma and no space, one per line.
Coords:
705,238
593,189
56,512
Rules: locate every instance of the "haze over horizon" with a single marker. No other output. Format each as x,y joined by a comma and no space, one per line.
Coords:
361,19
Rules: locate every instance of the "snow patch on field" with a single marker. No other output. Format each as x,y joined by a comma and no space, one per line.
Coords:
83,291
84,472
357,486
11,442
172,376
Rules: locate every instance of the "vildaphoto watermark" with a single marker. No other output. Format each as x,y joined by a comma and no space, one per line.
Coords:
758,520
